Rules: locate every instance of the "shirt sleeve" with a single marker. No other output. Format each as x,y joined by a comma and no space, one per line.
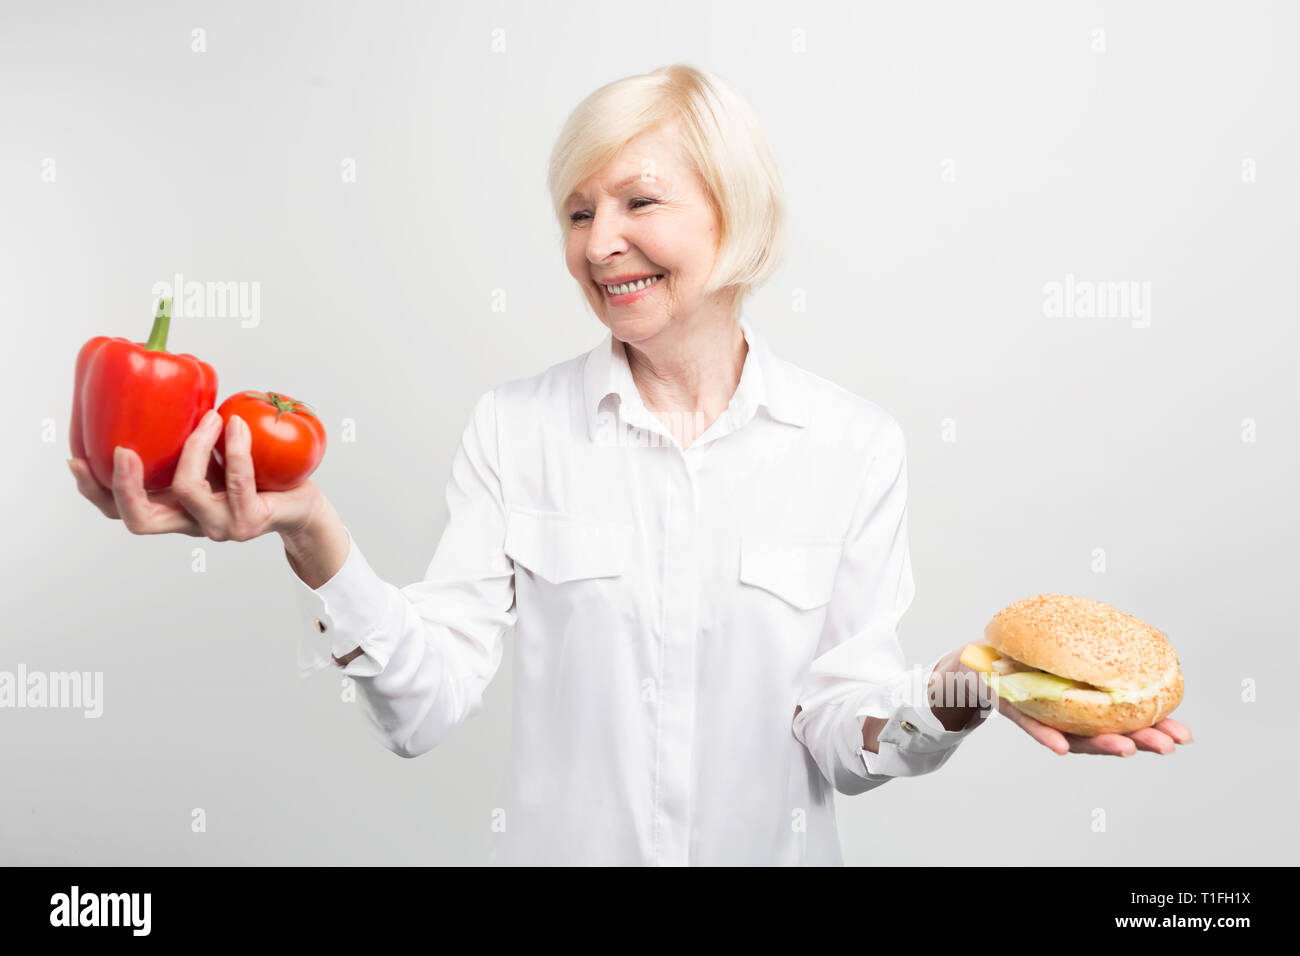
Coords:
429,649
859,670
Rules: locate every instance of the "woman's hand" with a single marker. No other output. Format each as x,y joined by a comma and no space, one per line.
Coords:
1160,738
201,502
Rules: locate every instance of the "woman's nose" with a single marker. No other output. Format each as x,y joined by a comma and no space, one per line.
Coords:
605,237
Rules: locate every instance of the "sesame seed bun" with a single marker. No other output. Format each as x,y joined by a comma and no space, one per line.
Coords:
1092,642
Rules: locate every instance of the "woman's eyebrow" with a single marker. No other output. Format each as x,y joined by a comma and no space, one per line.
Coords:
621,184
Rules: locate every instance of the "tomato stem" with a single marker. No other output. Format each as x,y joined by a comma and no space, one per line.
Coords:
161,325
282,403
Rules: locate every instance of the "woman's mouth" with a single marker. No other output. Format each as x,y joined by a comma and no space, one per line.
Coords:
628,292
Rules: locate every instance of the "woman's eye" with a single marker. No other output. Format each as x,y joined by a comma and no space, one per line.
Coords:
638,203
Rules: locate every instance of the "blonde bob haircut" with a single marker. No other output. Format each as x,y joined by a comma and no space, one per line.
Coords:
721,140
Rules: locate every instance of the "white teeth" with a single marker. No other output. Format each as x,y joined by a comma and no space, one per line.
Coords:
627,287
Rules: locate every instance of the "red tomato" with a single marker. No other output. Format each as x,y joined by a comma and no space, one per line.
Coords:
288,440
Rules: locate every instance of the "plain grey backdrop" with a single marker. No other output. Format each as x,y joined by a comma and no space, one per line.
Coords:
376,171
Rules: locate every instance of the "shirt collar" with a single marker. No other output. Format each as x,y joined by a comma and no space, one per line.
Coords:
765,381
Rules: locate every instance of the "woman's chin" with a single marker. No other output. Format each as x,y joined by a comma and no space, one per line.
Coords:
631,326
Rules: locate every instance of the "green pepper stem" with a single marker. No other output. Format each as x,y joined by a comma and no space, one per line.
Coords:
161,325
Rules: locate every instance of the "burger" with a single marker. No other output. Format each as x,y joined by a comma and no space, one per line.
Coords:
1078,665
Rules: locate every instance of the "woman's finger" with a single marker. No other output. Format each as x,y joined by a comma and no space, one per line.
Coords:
128,491
241,485
1113,744
1153,739
139,513
1049,737
1158,739
100,496
190,481
1178,732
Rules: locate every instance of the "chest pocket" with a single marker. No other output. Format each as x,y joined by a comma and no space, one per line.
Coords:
561,547
800,571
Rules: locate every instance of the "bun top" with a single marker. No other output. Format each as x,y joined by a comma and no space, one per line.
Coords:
1083,640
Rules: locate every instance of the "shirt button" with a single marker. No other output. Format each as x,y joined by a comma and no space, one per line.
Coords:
320,625
908,726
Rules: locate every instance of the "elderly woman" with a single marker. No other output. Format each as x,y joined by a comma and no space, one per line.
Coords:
703,548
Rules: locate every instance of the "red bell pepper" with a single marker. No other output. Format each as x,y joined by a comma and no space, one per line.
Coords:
140,396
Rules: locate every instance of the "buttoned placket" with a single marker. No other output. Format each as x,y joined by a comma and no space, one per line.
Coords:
681,590
675,672
680,631
675,738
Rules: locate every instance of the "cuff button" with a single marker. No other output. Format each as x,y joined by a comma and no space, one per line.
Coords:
320,625
908,726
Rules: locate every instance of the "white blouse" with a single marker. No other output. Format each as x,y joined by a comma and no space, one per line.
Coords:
671,609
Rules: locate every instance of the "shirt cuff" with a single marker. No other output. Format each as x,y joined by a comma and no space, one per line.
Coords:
913,741
352,608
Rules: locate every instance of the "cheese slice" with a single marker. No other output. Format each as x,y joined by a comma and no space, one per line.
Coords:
979,657
1023,685
1031,683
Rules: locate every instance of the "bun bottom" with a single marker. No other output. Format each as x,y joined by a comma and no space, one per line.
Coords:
1088,713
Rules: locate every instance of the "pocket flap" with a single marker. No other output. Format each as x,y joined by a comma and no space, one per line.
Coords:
563,547
800,571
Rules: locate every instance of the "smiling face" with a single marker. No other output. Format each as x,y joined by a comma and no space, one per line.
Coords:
645,214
